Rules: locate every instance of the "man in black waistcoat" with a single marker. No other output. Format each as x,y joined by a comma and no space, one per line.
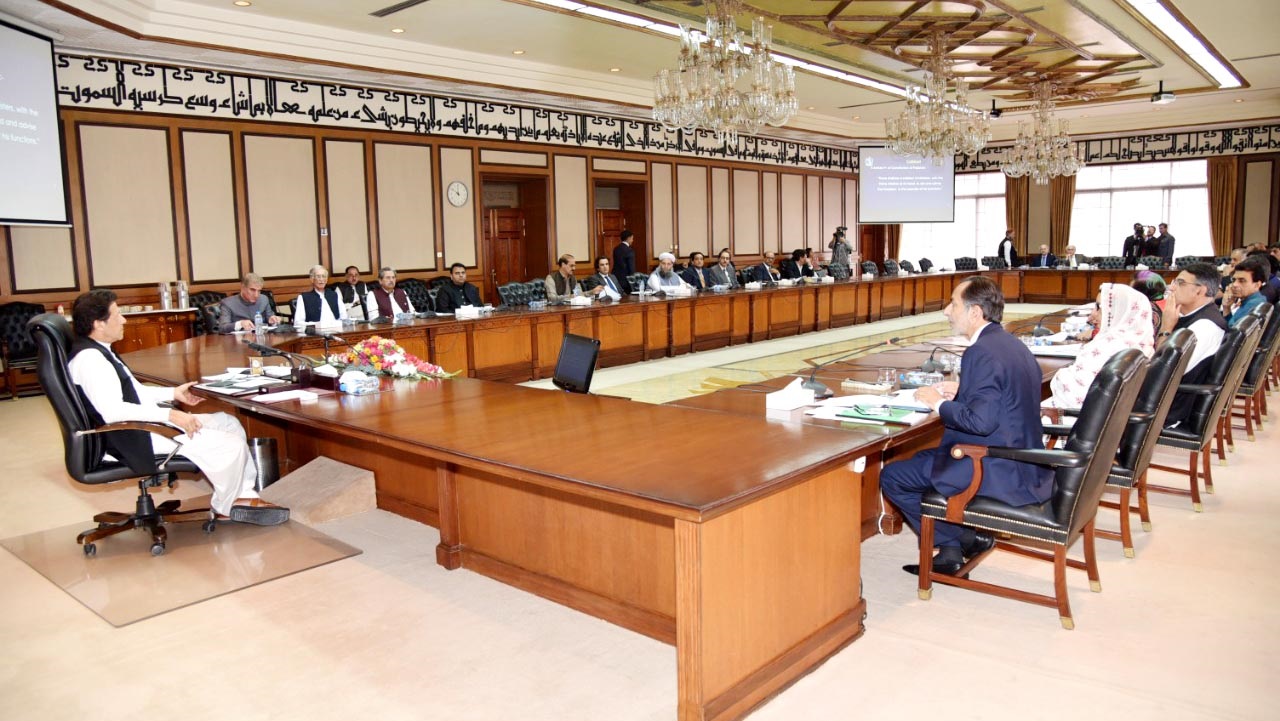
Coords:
1189,304
214,442
457,292
320,304
353,291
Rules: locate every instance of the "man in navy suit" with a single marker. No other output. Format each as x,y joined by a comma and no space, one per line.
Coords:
1044,259
996,403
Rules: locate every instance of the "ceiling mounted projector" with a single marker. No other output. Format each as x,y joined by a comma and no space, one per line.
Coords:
1160,97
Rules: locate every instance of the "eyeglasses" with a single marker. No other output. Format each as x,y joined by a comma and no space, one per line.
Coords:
1180,281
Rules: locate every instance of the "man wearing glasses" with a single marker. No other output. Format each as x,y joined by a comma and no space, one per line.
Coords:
1190,305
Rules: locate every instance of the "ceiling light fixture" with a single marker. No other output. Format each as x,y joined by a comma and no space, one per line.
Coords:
242,3
615,70
397,31
722,83
931,126
1158,15
1160,97
517,52
1048,151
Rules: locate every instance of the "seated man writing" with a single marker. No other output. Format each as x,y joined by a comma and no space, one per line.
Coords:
214,442
237,312
996,403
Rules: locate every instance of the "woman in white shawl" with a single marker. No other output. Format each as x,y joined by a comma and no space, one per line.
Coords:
1124,321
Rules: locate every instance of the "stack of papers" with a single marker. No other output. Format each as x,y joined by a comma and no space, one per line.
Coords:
900,408
238,385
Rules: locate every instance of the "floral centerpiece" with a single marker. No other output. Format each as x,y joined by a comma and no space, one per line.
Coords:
380,356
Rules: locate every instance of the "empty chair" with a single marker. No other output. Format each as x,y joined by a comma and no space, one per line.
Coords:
513,294
85,449
1185,260
201,301
891,267
637,281
1211,397
925,265
1153,262
907,266
966,263
536,289
1080,476
17,347
576,364
1110,262
994,262
1252,394
870,267
418,293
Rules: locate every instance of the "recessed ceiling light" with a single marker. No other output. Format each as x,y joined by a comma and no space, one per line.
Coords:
1239,100
615,70
810,108
857,117
397,31
242,3
517,52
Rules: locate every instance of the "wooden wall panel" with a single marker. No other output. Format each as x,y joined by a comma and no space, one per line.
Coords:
664,218
406,218
461,241
813,213
280,177
851,206
41,257
770,238
1258,198
746,212
720,237
691,209
211,206
505,157
617,166
573,219
348,205
792,212
832,211
128,205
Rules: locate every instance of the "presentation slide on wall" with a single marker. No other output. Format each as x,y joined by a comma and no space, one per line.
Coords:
31,184
903,189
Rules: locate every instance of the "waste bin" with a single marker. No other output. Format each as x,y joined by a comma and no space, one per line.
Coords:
263,451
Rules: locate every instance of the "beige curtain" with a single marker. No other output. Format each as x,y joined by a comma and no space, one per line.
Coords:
892,240
1062,196
1016,194
1223,185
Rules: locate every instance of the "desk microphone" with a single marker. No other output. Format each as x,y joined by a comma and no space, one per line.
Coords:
294,358
932,366
820,389
1040,331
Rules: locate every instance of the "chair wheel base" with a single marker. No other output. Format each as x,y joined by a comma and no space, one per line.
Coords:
1128,553
1067,623
1096,586
1146,525
1198,507
924,593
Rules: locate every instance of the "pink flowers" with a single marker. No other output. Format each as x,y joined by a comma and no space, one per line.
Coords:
383,356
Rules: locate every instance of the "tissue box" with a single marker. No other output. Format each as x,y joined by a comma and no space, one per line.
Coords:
358,383
466,311
753,285
580,300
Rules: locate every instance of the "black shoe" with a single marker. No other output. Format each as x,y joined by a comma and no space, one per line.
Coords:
982,542
940,568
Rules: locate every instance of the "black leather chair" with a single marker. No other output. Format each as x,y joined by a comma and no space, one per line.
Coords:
925,265
1154,262
994,262
907,266
513,294
1226,427
201,301
637,280
208,318
869,266
1080,477
1129,469
891,267
1110,262
537,289
966,263
418,293
85,446
1252,395
17,348
576,364
1212,398
1183,261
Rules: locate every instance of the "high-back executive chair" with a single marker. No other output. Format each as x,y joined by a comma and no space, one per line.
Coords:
17,349
1129,469
1080,476
1253,386
576,364
85,445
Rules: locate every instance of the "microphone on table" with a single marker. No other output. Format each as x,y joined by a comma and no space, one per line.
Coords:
294,358
1040,331
934,366
820,389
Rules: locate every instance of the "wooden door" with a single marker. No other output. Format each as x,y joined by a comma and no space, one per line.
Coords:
504,236
609,227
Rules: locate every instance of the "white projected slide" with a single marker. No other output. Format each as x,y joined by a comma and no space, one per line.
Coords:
903,189
31,187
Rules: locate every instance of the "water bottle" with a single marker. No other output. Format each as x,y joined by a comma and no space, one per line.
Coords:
183,298
257,324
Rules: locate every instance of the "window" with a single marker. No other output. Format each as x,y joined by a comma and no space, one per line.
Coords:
978,226
1111,198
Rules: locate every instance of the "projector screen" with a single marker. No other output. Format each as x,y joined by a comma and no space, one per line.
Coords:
902,189
31,173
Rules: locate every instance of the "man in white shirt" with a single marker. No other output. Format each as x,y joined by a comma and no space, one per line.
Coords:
1189,304
214,442
1070,259
320,305
664,277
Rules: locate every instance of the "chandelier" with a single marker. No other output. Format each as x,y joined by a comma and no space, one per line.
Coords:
722,83
1047,152
931,126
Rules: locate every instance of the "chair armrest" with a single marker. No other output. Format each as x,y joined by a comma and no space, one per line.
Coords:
167,430
1055,430
957,503
1041,457
1139,417
1199,389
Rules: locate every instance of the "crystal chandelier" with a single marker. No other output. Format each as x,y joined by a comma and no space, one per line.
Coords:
1047,152
724,84
931,126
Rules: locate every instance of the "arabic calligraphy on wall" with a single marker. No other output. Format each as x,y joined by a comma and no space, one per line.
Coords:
1182,145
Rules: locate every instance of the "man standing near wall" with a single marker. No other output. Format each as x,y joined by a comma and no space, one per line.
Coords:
624,258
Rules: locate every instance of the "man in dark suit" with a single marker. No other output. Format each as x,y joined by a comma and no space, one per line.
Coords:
996,403
457,292
624,258
1164,247
1132,248
723,272
603,284
353,291
797,267
1044,259
765,272
1007,251
696,273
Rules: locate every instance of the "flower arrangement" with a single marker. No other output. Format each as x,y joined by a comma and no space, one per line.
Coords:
384,357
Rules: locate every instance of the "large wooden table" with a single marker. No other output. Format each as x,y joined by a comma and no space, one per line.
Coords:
751,568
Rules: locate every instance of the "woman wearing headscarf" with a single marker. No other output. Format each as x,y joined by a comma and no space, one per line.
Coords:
1124,321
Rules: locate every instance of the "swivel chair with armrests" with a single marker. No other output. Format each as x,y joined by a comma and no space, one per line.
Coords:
925,265
1253,386
85,446
1129,469
993,262
966,263
201,301
907,266
1080,477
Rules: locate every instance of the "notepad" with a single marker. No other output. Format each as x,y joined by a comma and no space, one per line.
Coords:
882,414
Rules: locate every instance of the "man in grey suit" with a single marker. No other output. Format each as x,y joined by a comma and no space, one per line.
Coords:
237,312
723,272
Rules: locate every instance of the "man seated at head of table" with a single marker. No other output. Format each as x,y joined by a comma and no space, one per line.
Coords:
457,292
237,312
664,277
1124,321
386,300
215,442
995,403
562,285
320,305
1189,304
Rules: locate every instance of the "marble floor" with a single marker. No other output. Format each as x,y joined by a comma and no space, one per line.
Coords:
1187,630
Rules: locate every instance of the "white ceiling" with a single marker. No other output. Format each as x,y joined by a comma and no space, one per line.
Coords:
466,47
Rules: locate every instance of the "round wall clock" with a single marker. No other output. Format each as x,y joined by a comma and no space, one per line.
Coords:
457,193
